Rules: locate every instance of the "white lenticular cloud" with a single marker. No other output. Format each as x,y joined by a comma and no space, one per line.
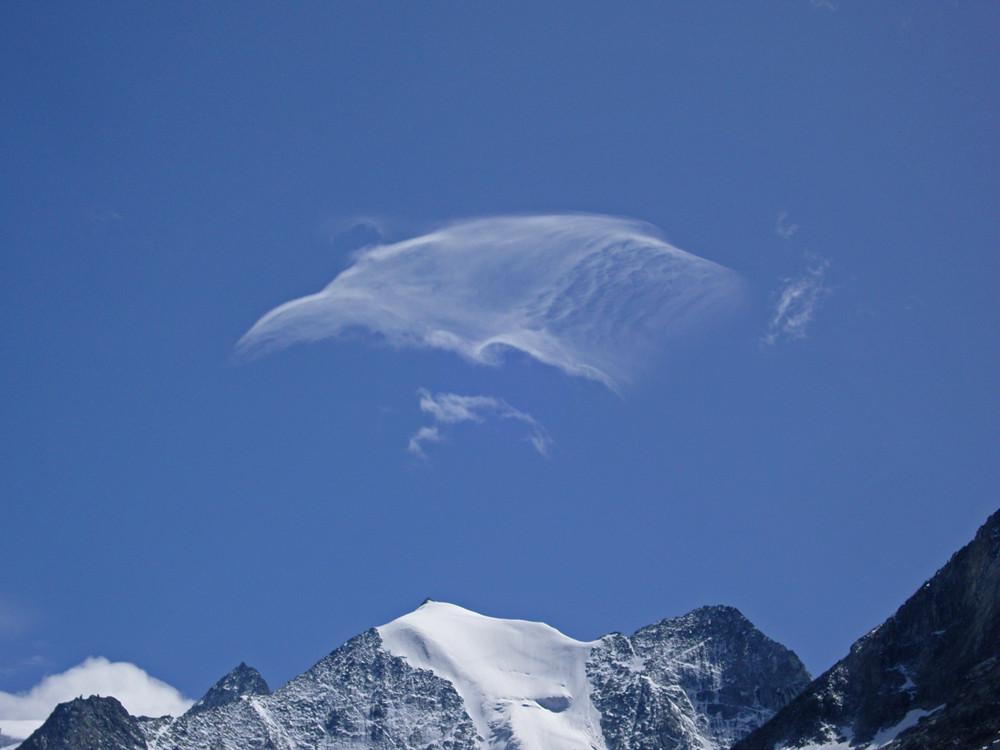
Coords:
138,692
800,298
450,408
592,295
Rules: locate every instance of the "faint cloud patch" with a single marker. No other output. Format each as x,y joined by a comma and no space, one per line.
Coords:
358,231
799,299
13,619
451,408
823,4
37,663
106,216
783,228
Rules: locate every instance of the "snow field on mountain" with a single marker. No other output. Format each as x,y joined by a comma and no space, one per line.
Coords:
518,679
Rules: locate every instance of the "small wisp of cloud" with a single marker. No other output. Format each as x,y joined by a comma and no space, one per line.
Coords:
451,409
594,296
783,229
797,303
105,216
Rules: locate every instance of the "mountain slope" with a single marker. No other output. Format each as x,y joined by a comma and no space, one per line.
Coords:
701,680
929,677
93,723
358,697
241,682
517,679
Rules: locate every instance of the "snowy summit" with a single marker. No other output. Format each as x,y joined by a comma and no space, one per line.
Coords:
517,678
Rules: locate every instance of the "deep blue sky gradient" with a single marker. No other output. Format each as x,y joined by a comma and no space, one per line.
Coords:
169,172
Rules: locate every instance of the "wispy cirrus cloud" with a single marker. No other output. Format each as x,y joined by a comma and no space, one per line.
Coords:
798,301
141,694
589,294
451,408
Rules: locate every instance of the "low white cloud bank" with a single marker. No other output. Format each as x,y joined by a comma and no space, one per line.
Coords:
450,408
139,693
799,299
592,295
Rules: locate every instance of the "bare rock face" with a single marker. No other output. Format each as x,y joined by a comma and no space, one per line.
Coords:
928,677
358,697
93,723
242,682
706,678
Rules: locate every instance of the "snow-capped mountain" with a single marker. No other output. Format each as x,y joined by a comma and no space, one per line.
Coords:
445,678
926,678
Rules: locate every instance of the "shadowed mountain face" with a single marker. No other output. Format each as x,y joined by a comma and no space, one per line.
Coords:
93,723
928,677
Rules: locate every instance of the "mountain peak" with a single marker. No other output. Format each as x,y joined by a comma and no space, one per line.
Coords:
94,723
241,682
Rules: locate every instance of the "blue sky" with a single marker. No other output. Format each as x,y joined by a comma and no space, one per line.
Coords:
807,437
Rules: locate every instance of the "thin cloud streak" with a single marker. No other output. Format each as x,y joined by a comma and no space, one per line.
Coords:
595,296
799,299
451,408
139,693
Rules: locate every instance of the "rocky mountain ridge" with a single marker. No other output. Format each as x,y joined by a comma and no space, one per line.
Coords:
696,681
926,678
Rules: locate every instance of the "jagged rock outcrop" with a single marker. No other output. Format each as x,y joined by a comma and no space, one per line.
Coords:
357,697
242,682
927,678
706,678
93,723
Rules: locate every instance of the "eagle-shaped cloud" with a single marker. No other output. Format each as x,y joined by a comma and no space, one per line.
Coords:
592,295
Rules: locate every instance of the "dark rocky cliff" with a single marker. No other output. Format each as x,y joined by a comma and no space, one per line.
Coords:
93,723
934,664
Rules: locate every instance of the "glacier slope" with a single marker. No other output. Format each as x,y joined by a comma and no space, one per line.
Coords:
518,679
